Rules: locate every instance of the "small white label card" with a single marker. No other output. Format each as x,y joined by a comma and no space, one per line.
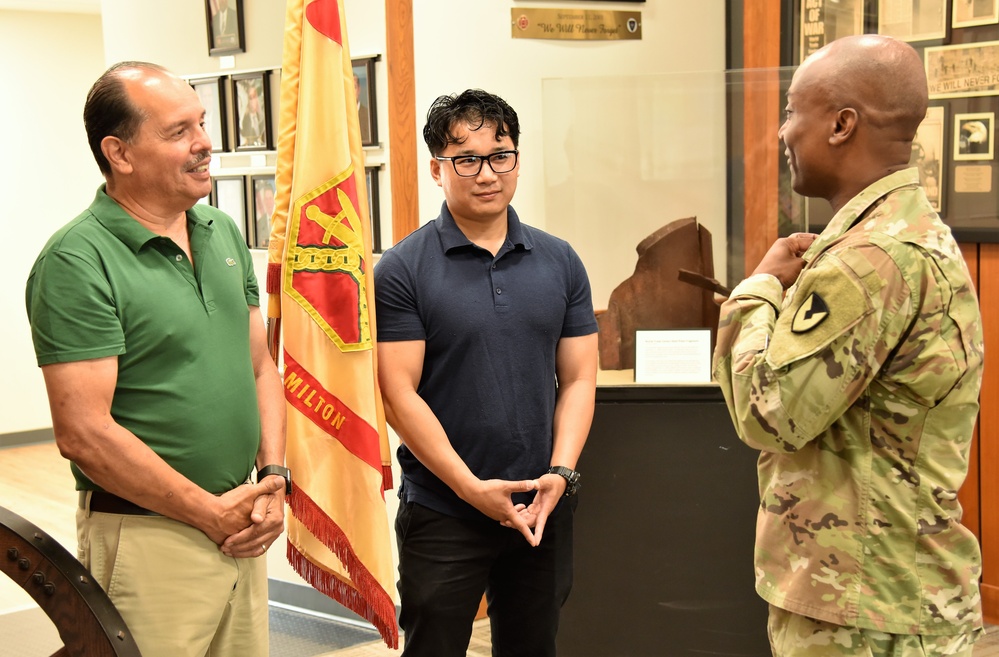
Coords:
673,356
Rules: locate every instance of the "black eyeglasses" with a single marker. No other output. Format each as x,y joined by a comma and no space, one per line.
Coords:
467,166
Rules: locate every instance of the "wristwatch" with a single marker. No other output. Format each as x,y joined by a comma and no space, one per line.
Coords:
278,470
571,478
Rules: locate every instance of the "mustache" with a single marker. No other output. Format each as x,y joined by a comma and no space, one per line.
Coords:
201,157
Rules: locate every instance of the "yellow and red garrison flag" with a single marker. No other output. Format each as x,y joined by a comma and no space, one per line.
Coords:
319,278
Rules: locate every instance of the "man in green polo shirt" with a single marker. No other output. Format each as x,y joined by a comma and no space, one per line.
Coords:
145,320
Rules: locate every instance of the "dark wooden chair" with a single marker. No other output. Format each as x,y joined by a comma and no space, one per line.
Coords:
87,621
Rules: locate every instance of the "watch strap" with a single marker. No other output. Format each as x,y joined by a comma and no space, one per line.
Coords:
278,470
571,478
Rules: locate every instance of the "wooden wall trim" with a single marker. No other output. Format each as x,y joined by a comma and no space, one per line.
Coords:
990,603
970,493
988,422
761,50
401,117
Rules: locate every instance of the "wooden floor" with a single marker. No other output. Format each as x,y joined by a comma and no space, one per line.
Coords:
37,485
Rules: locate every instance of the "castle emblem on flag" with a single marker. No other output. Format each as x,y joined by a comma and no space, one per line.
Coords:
326,266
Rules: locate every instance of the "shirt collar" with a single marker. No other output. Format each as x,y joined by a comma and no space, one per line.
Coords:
860,204
124,226
452,237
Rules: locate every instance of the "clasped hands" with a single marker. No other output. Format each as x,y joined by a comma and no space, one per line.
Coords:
250,518
493,497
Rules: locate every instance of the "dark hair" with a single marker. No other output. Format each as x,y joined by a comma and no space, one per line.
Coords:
474,107
110,112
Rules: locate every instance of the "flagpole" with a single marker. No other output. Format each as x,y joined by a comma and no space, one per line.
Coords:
274,328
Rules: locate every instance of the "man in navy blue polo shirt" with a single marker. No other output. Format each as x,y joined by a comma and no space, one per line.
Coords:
487,362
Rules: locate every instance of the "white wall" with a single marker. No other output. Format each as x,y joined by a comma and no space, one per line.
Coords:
47,64
54,175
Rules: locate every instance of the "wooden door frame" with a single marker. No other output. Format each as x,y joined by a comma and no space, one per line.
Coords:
402,145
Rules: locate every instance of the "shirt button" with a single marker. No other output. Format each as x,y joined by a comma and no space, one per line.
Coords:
494,265
179,257
499,291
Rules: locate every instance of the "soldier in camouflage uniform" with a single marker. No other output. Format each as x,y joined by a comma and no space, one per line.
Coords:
860,384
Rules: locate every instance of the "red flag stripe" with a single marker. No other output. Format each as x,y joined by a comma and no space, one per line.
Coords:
322,407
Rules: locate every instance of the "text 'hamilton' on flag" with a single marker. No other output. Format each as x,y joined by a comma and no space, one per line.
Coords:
319,281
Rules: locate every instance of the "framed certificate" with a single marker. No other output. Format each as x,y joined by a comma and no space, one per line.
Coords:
679,356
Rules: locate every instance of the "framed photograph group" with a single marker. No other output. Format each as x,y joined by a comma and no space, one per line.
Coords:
249,200
224,20
240,112
954,147
239,109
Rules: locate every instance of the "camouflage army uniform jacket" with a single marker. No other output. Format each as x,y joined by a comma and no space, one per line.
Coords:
860,388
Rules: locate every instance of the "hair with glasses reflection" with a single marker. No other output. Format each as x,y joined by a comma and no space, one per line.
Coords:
109,111
474,108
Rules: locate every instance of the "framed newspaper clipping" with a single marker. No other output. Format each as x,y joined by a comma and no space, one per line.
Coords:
822,21
929,156
913,20
967,69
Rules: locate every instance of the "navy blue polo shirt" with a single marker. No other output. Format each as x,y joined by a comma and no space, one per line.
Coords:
491,327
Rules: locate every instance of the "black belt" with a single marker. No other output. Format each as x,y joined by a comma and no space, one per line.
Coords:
101,502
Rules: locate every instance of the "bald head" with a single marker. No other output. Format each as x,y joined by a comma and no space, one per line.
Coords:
853,110
881,77
109,111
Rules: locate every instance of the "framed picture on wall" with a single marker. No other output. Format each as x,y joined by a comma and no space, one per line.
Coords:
229,195
252,111
211,91
975,12
364,86
374,211
974,136
225,27
262,188
913,21
823,22
961,70
928,155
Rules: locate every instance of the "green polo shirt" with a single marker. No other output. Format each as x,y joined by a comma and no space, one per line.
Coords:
104,285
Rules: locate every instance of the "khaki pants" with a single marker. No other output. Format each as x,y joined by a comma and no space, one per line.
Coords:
792,635
179,595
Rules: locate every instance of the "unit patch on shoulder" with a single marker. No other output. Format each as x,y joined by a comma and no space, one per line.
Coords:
812,312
